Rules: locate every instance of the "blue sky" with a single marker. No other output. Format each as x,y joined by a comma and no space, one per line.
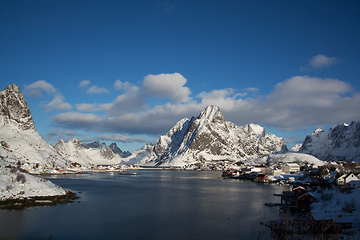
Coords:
127,71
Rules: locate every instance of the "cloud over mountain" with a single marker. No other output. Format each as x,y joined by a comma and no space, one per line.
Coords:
37,88
297,102
57,104
169,86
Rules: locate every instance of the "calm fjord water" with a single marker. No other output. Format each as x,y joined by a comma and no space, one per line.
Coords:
156,204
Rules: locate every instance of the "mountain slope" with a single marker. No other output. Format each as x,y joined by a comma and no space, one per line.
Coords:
118,151
87,154
25,185
14,109
139,154
209,137
19,140
341,143
288,157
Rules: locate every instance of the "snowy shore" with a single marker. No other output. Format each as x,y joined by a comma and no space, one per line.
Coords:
19,190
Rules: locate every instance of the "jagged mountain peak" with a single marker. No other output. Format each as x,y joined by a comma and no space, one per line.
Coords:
212,113
341,143
60,143
90,153
210,138
255,129
95,144
13,87
113,144
19,138
14,108
316,132
295,148
76,142
118,151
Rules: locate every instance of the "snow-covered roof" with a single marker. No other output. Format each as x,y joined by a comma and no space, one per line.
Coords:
335,216
308,194
292,164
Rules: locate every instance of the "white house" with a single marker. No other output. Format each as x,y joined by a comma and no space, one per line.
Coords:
271,171
291,168
346,178
257,169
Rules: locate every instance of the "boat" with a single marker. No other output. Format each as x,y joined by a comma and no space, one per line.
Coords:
126,173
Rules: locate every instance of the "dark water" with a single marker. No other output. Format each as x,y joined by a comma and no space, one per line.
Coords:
157,204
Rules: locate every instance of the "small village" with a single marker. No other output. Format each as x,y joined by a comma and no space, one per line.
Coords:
323,200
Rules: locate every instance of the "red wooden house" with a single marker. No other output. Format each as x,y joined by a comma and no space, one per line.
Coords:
298,191
304,202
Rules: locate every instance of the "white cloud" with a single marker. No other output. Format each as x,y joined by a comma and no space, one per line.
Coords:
97,90
62,132
303,101
121,138
169,86
119,85
298,102
320,61
131,101
35,89
57,104
93,107
76,120
251,89
307,91
84,83
56,134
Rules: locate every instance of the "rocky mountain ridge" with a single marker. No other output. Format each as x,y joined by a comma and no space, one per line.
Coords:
20,143
341,143
14,108
19,140
88,154
118,151
205,138
209,137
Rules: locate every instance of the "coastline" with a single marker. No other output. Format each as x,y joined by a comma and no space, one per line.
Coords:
36,201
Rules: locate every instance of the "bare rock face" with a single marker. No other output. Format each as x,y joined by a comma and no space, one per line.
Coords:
118,151
87,154
14,108
107,153
341,143
20,142
95,144
209,137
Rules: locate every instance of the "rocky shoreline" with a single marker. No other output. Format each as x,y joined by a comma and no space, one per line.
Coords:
22,203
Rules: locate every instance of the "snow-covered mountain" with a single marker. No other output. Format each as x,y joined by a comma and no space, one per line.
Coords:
139,154
289,157
295,148
19,140
95,144
118,151
88,154
341,143
209,137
